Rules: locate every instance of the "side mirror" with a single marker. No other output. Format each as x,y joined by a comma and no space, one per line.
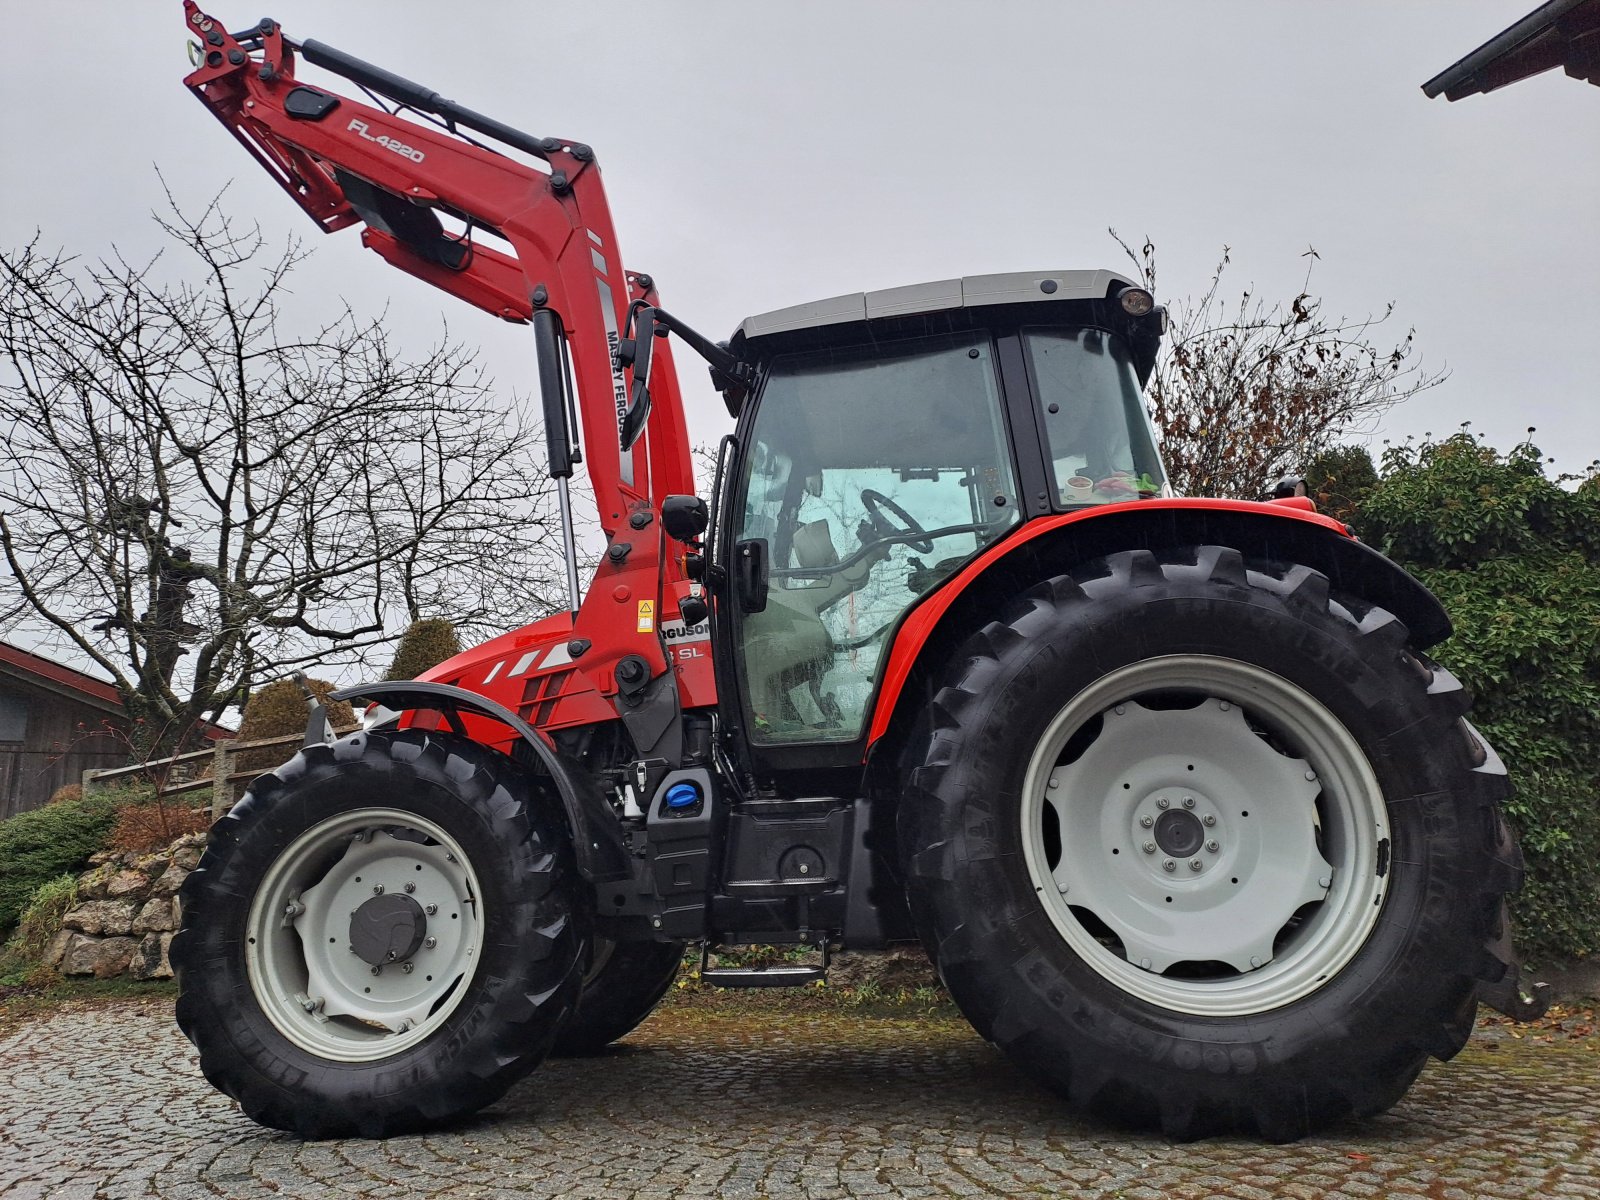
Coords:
684,517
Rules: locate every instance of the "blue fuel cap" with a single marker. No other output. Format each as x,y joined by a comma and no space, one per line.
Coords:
683,795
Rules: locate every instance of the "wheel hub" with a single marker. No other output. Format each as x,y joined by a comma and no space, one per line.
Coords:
1179,833
388,929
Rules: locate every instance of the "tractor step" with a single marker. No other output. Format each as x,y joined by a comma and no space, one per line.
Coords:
787,975
762,977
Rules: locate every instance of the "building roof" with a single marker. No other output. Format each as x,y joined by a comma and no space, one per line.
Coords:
52,676
1561,33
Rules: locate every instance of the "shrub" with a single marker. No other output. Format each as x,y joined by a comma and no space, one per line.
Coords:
427,643
70,791
1515,558
38,846
40,922
146,824
1339,480
277,710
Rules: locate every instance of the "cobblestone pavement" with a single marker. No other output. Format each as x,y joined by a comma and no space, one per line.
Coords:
107,1102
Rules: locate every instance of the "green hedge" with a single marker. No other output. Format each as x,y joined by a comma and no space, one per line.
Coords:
1515,557
39,846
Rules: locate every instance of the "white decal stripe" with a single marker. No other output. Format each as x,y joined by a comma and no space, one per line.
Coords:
676,631
619,382
594,237
523,664
489,678
560,656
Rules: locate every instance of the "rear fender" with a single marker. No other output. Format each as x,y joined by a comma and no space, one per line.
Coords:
596,835
934,630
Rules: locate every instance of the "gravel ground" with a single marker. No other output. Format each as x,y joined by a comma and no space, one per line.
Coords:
106,1101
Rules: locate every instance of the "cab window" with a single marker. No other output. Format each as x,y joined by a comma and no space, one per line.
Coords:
873,474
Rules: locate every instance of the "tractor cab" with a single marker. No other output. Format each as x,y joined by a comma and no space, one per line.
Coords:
889,438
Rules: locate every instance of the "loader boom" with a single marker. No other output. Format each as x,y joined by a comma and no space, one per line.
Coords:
346,162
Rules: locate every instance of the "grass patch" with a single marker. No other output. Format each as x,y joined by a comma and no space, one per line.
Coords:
22,1003
21,958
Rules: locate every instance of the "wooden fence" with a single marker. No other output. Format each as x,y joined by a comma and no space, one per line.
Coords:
185,773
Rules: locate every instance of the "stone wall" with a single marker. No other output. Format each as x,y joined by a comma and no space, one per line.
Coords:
126,913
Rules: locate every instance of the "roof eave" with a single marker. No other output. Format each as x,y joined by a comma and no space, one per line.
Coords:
1476,72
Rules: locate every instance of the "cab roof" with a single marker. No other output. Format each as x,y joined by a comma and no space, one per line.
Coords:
970,291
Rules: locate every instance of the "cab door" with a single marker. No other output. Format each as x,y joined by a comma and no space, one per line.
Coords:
871,474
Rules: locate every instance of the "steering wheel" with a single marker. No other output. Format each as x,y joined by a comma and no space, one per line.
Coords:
877,504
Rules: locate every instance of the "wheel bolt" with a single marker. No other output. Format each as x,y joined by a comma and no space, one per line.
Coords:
1147,821
1163,803
1311,776
411,887
1209,819
1213,845
1169,865
408,967
377,889
377,970
1195,864
1224,706
1188,801
1149,847
430,909
430,943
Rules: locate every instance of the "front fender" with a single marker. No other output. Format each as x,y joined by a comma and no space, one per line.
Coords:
597,838
1054,545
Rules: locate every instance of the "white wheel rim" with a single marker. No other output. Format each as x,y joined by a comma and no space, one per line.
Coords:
1282,887
307,978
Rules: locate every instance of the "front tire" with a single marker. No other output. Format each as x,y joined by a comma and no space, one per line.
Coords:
1207,848
380,937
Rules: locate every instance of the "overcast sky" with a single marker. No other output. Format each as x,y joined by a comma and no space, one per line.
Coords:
763,154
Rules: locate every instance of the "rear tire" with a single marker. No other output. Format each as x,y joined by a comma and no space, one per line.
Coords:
1318,953
447,987
622,987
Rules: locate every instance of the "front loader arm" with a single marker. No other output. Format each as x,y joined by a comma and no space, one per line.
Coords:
556,262
347,162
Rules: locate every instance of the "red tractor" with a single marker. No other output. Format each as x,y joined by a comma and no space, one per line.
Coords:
1190,825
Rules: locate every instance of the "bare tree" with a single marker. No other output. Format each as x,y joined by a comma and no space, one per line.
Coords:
1246,393
202,496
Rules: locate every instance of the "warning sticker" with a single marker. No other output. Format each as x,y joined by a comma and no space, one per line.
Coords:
647,616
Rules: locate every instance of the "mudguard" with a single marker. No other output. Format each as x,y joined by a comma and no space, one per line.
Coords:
597,842
1286,529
